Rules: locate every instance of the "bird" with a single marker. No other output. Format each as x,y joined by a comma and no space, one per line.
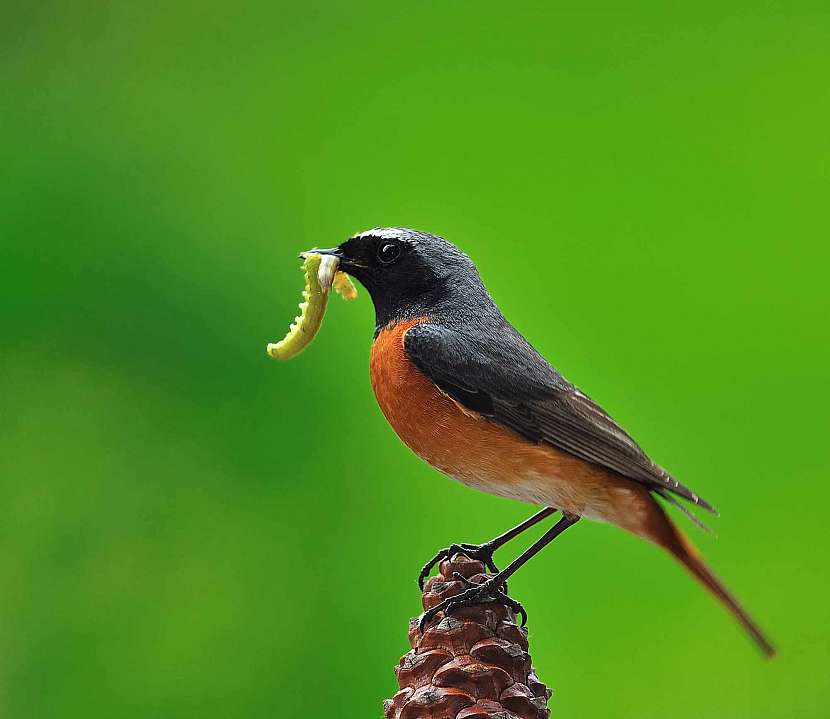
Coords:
466,392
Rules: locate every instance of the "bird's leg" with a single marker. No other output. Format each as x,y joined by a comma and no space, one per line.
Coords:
491,590
483,552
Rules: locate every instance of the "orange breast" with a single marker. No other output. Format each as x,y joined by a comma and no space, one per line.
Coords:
481,453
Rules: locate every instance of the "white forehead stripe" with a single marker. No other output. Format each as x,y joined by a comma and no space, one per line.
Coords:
386,233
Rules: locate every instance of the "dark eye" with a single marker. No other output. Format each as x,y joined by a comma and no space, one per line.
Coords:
388,252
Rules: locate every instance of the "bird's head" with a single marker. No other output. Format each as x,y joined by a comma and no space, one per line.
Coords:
407,273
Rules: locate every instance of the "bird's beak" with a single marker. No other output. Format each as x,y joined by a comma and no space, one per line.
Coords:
333,251
329,262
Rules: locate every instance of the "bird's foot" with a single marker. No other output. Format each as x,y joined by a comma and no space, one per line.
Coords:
481,552
487,592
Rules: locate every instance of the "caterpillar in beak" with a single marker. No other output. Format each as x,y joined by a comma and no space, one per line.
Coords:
320,275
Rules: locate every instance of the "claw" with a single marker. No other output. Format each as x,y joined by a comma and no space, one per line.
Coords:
484,593
424,620
481,552
468,583
427,568
514,605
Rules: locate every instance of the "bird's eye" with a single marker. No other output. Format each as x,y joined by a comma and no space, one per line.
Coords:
389,252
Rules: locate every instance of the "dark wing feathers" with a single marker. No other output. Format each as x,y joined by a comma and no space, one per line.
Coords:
507,381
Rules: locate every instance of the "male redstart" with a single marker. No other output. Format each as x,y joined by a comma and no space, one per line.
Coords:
467,393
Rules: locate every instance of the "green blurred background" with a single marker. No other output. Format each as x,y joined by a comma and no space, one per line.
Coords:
188,529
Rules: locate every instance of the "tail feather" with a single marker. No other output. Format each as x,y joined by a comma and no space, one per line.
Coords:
671,538
674,502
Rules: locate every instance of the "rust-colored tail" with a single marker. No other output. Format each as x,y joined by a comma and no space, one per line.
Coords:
666,534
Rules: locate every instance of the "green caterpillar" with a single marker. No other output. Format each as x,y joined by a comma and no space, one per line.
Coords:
320,274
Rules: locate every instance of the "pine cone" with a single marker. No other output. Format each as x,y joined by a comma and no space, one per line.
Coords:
473,664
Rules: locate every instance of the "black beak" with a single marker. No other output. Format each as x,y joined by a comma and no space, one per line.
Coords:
333,251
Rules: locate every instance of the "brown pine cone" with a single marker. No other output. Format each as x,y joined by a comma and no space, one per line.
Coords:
473,664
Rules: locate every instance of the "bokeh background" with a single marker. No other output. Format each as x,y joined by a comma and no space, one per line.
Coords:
190,529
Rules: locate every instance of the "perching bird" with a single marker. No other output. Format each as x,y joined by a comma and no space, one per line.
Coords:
467,393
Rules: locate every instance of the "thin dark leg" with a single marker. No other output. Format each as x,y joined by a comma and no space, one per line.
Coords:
502,539
484,552
557,529
490,590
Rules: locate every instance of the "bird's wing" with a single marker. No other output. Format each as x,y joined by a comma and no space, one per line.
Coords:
507,381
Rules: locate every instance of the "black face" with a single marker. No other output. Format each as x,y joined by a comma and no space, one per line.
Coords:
405,271
386,263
